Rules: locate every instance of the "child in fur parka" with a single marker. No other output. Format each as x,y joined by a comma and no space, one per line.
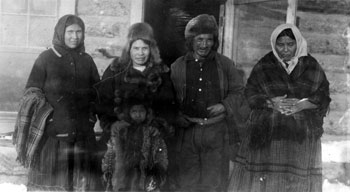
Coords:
136,158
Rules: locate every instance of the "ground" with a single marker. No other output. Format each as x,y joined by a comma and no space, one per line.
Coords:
335,158
336,166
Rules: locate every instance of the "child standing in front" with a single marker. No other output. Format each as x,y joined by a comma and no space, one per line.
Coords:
136,159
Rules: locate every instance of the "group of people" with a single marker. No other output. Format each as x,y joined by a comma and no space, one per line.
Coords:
173,128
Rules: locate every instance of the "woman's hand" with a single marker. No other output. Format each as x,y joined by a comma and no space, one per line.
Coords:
290,106
276,103
287,105
298,106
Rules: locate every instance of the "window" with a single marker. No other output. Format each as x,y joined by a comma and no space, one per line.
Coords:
27,23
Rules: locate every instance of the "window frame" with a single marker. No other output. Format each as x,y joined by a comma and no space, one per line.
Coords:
230,29
62,7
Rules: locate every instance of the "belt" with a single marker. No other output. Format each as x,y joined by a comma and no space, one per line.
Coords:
205,121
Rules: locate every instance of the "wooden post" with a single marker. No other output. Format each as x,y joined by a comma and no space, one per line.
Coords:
229,37
137,11
291,11
221,27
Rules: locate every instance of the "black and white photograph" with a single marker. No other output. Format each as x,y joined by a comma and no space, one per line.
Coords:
175,95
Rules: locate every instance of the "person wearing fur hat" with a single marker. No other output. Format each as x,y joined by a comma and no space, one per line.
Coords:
208,90
139,64
136,158
65,74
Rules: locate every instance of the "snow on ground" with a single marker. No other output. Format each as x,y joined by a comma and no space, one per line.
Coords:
337,187
333,151
9,187
336,151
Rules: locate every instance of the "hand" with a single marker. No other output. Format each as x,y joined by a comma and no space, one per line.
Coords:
151,184
287,105
117,126
299,105
216,109
181,121
275,103
283,104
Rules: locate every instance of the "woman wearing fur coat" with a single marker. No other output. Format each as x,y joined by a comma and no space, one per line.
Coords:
138,67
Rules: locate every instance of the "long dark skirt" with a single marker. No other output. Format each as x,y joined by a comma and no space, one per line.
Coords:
284,166
66,166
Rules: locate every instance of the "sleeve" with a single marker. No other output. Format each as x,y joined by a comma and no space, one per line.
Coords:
257,99
108,162
105,100
164,101
236,105
95,77
234,101
157,171
321,96
37,75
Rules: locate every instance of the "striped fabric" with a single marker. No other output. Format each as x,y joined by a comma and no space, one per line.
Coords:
282,153
308,80
285,166
65,166
30,125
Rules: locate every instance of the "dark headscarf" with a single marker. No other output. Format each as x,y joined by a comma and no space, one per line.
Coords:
58,37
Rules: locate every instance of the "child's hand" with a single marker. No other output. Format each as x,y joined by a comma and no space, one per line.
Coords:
117,126
151,185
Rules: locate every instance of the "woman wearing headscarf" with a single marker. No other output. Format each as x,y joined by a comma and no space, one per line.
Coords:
138,66
66,75
288,94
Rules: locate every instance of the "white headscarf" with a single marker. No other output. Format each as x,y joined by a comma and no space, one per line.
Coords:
301,45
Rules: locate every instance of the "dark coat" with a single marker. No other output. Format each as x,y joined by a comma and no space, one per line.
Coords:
67,81
231,90
66,77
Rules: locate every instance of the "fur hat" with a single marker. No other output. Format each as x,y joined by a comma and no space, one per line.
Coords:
140,31
129,95
202,24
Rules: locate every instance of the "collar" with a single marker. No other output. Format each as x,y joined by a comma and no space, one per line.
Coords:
59,51
56,52
290,68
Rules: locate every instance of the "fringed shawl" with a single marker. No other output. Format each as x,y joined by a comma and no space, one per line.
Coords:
267,80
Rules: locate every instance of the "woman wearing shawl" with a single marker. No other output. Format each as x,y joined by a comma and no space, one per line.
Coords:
288,93
66,74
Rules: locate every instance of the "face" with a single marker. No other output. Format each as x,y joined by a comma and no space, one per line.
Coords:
138,113
286,47
73,36
139,52
202,45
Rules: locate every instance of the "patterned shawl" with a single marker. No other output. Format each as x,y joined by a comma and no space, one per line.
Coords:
30,125
269,79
